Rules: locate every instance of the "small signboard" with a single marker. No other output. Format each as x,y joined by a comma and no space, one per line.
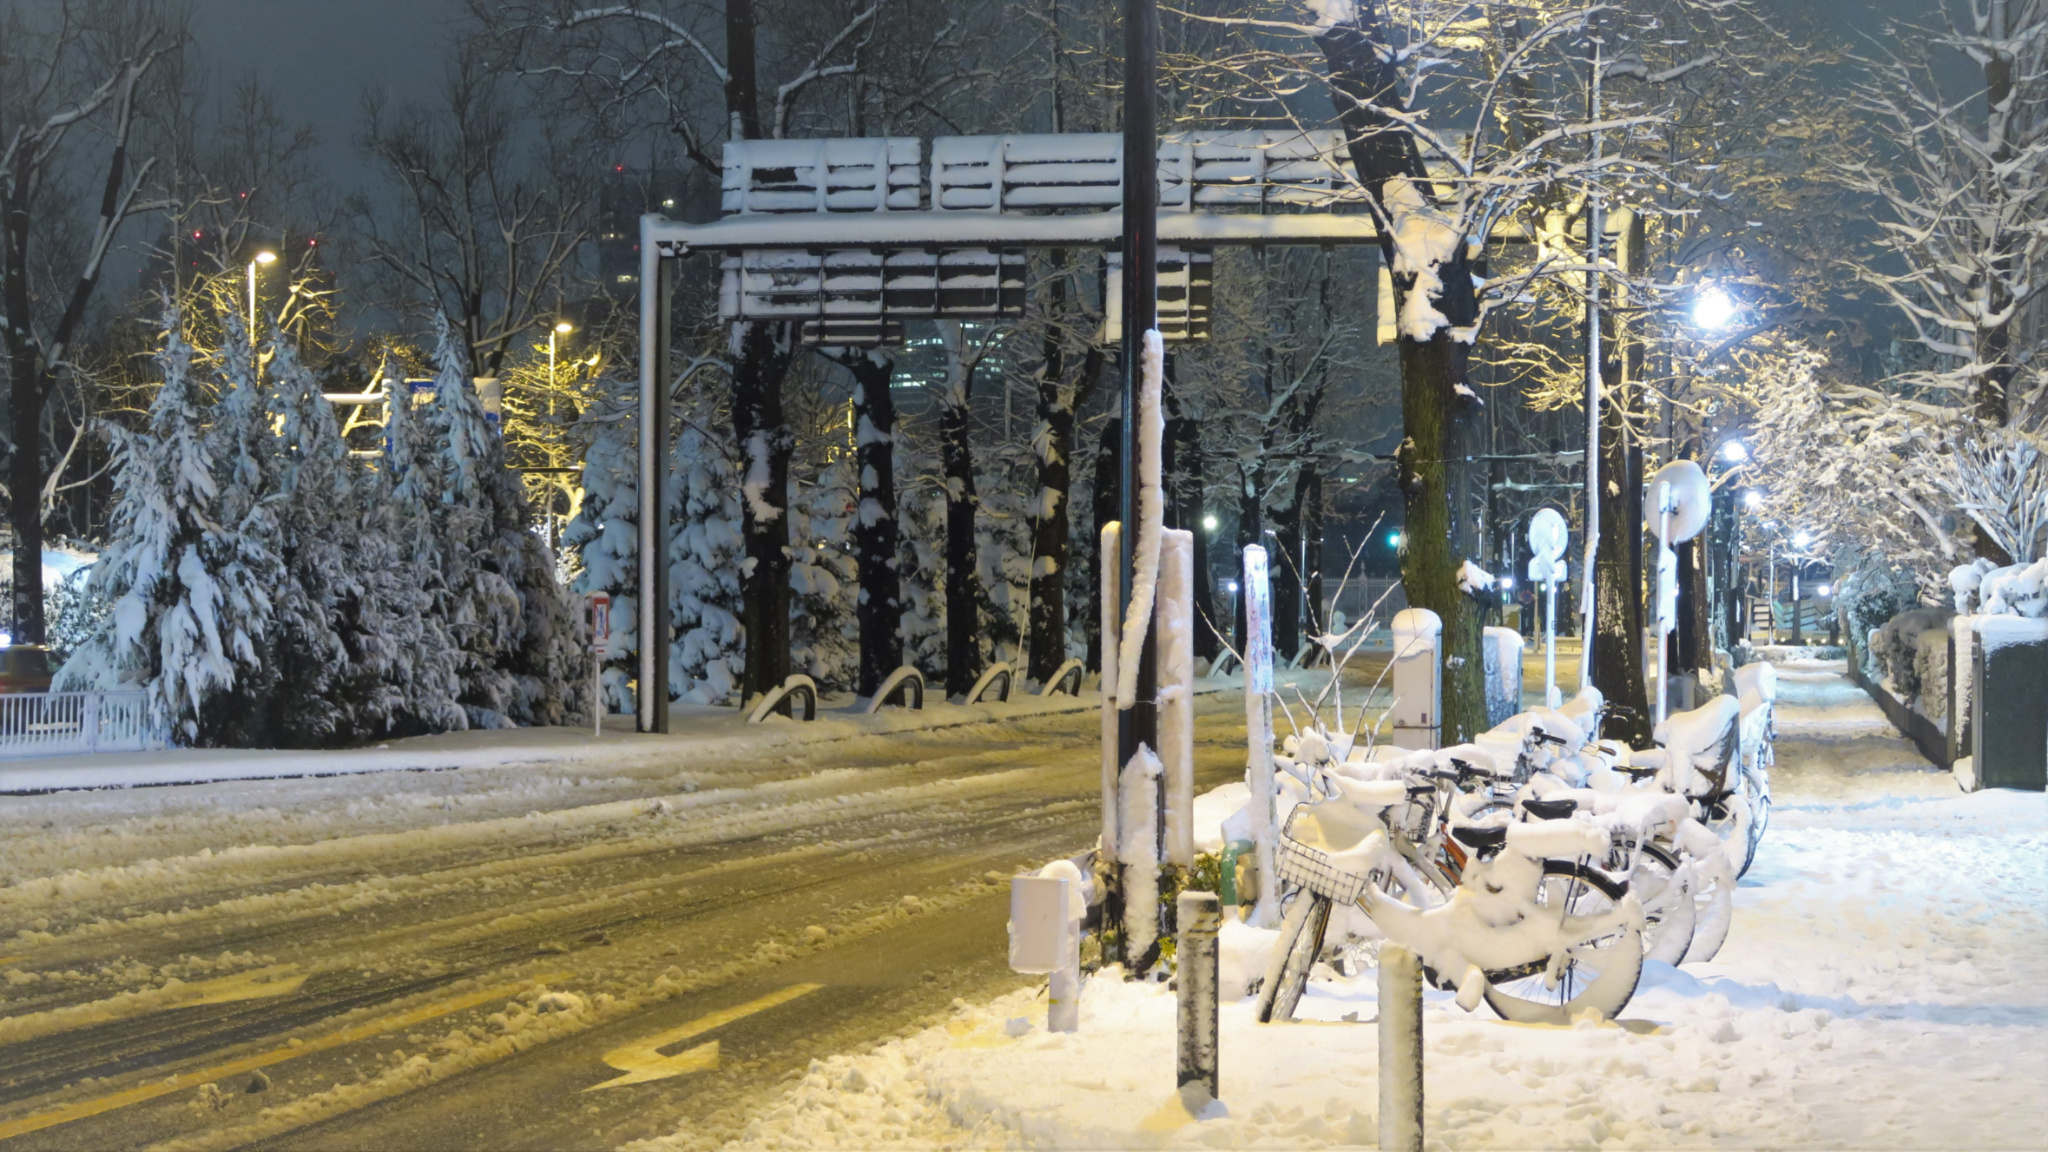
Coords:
600,620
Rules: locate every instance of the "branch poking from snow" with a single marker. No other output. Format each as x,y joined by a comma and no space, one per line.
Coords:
1151,520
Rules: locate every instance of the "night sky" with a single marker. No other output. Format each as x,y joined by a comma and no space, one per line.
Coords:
318,55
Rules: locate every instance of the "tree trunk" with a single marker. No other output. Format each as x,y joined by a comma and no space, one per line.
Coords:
1103,509
963,583
765,443
1618,616
1194,496
1365,87
879,608
1052,528
1287,576
1433,414
1308,502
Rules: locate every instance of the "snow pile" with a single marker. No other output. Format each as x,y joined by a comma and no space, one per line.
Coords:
1883,986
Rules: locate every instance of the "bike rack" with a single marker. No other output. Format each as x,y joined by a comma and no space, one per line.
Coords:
1221,667
907,680
797,687
1072,670
998,670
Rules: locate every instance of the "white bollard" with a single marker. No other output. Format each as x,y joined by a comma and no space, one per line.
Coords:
1258,724
1400,1049
1174,625
1417,677
1200,918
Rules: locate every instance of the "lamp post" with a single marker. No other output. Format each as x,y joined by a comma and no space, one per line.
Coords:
561,328
264,257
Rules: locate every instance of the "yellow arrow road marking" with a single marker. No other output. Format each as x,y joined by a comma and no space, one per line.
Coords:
642,1060
255,984
364,1031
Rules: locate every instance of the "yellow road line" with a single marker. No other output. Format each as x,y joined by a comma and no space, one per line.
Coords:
364,1031
642,1061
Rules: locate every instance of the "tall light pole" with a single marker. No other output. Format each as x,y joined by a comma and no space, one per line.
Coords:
264,257
561,328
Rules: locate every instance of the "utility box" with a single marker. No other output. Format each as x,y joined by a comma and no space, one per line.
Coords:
2009,703
1417,717
1042,927
1503,649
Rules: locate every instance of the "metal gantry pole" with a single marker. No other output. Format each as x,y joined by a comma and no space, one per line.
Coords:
1138,724
1596,227
651,607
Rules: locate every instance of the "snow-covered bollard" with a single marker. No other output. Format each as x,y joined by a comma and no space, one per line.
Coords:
1199,917
1045,938
1400,1049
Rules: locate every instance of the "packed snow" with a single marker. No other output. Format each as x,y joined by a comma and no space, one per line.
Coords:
1882,986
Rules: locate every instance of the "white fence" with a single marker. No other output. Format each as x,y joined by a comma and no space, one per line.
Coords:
60,723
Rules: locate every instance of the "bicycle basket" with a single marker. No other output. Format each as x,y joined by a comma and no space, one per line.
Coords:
1313,869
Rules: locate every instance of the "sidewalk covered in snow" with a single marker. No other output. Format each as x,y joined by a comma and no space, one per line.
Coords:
1885,986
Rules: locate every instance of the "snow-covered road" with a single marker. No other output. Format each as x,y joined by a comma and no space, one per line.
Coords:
450,959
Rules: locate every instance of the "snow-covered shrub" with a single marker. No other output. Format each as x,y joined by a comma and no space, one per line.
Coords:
1867,599
922,561
1930,668
1896,647
75,614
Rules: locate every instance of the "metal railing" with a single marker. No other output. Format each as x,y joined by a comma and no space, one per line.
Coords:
61,723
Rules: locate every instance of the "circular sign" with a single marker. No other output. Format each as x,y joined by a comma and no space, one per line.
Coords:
1681,489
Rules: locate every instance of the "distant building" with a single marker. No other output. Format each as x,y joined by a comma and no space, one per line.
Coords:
628,194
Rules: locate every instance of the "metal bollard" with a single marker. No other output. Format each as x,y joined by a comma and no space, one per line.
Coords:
1400,1049
1200,917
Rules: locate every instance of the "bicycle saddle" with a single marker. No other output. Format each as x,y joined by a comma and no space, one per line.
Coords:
1559,809
1639,771
1483,839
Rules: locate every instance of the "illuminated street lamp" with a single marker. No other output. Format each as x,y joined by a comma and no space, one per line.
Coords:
1753,500
1209,523
561,328
264,257
1712,309
1735,452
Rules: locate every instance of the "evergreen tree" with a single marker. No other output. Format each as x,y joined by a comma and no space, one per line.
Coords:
605,533
824,628
706,565
189,588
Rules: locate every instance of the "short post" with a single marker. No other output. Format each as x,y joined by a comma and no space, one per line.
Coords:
1045,938
1200,916
600,636
1400,1049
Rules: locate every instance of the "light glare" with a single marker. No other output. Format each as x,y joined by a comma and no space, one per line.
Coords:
1713,309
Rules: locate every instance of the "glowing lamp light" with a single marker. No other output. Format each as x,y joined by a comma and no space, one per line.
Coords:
1712,309
1735,452
564,327
1827,590
6,640
1208,523
1801,539
266,257
1507,583
1753,500
1233,587
1393,539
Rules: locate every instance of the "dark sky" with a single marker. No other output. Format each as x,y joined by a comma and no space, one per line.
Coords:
317,55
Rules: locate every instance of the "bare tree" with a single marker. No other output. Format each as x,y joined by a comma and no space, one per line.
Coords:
491,219
73,85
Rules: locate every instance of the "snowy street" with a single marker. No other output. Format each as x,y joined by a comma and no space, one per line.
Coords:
449,959
1881,988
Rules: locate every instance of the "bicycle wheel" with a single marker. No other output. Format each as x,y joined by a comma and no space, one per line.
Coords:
1757,785
1597,974
1665,889
1732,820
1289,979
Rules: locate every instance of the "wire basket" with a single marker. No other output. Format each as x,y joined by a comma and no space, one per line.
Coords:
1313,869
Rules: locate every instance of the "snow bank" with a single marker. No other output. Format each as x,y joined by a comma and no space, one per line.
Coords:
1883,985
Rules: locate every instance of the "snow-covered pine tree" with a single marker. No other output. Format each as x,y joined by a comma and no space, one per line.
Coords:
605,532
187,589
707,555
921,561
548,651
823,579
403,617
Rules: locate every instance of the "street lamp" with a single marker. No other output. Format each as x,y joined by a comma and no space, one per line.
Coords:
1209,524
1753,500
1735,452
1712,309
561,328
264,257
